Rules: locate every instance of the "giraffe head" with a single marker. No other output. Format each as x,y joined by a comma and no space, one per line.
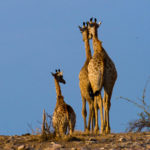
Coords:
92,27
84,31
58,75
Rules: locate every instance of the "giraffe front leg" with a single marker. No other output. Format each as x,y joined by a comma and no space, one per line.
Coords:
96,129
84,112
100,104
90,115
104,104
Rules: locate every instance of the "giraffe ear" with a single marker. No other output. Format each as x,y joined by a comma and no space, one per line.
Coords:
80,28
99,23
52,74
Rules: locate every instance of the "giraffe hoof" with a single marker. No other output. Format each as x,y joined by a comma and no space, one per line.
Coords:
96,130
87,130
103,131
107,131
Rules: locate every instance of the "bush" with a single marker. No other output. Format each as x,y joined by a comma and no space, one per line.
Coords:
47,129
143,122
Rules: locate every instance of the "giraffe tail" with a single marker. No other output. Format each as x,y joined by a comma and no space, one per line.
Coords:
90,91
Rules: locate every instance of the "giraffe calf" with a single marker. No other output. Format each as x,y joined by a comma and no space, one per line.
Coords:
64,117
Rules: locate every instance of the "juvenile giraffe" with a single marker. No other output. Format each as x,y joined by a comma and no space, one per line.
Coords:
64,116
84,83
110,73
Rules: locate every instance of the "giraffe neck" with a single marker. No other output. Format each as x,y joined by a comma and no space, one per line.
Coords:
97,46
57,86
87,50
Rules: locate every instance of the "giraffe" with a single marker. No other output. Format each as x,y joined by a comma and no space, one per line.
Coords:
84,84
95,75
109,75
64,116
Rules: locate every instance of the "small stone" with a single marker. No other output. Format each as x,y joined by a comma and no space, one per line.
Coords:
21,147
55,146
52,143
49,148
122,139
92,139
73,148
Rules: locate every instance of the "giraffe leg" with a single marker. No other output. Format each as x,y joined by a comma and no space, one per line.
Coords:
84,112
96,129
107,108
100,104
93,118
70,127
90,116
108,129
104,103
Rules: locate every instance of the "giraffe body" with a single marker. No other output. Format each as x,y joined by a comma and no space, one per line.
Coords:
64,117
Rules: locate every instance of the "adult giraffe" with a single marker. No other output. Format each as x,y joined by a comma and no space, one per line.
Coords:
109,76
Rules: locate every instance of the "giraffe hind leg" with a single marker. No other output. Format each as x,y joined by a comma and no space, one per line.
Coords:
100,104
107,105
96,128
84,112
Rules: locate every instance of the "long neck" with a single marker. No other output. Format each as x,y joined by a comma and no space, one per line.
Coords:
57,86
97,46
87,50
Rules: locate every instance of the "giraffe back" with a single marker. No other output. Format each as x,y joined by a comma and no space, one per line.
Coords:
95,71
110,72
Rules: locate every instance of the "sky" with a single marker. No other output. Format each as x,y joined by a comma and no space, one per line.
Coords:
37,37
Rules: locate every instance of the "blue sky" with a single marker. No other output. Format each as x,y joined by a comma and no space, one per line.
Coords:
37,37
